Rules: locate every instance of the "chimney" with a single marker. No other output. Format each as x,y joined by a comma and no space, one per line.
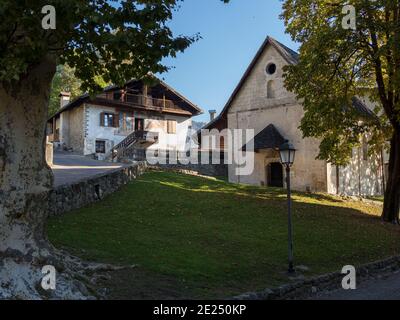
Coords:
212,114
65,97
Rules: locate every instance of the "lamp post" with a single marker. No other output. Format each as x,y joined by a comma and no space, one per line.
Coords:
287,153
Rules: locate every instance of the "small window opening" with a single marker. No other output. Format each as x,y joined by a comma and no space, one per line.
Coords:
271,68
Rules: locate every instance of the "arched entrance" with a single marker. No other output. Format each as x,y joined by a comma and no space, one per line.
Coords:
275,175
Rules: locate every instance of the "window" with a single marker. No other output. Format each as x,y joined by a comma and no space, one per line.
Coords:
171,126
271,89
108,120
117,95
126,121
100,146
271,68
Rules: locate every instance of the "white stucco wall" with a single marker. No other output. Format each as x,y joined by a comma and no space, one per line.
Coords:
365,174
362,177
153,123
167,141
93,130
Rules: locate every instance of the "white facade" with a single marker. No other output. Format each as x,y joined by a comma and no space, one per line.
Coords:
80,128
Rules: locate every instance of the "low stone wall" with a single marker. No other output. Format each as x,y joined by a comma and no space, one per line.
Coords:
308,288
77,195
208,164
212,170
49,153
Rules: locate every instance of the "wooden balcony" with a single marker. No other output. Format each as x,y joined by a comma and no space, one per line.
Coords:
141,100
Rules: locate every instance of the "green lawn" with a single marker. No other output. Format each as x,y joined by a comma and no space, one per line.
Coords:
206,238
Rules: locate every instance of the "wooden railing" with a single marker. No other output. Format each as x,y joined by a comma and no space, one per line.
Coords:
142,100
126,145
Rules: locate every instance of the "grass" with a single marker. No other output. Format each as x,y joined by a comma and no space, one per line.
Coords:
206,238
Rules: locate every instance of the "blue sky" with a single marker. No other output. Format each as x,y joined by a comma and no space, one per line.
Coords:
210,69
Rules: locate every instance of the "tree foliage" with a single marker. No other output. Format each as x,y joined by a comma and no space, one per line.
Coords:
63,81
114,40
337,64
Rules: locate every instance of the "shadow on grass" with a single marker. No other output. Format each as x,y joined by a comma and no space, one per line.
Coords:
275,197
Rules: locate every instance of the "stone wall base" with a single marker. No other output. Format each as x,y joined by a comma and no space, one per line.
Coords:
308,288
77,195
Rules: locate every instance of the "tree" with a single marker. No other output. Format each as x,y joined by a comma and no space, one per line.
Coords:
338,63
63,81
114,40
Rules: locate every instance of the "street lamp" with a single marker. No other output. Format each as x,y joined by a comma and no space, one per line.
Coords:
287,153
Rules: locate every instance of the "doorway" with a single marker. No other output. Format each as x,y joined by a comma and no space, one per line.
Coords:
275,175
139,124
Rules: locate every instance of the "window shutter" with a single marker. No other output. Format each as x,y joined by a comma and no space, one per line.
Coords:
116,120
174,126
171,126
102,119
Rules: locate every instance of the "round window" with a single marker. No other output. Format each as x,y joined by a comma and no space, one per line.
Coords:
271,68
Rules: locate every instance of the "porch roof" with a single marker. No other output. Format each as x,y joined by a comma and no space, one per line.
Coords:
268,138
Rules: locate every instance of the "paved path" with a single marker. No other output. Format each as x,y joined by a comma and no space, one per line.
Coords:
386,288
69,168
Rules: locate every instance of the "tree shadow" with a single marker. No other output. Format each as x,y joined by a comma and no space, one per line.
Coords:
214,190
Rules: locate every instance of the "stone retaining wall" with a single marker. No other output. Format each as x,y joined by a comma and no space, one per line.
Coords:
211,167
307,288
77,195
212,170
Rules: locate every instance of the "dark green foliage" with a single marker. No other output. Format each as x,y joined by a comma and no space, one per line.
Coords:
117,40
64,80
337,64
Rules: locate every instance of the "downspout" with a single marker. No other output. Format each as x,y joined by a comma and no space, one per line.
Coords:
359,172
383,173
237,126
337,180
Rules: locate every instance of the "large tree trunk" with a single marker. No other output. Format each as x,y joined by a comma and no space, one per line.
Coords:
391,205
25,180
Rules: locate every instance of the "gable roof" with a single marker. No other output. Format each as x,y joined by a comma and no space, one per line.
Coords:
290,56
194,109
268,138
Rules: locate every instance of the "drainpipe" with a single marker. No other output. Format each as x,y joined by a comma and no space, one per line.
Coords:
237,126
359,172
383,172
337,180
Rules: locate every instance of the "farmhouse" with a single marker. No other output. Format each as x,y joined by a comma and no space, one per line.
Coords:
123,121
261,102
